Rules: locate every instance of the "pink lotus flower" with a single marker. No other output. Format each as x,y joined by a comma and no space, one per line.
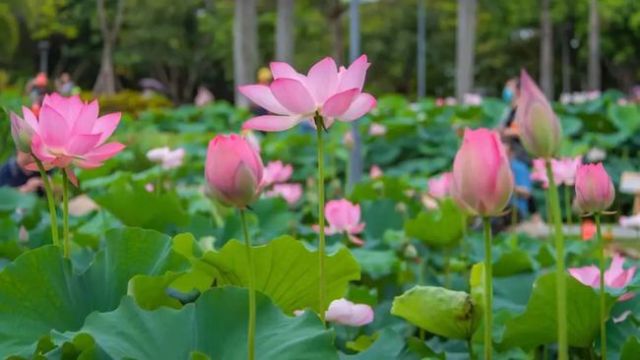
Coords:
325,90
69,132
375,172
344,312
276,172
291,193
482,178
440,187
233,170
540,131
615,277
564,171
377,129
343,217
168,159
594,189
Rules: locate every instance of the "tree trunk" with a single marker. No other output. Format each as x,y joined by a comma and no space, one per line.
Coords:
566,58
594,46
106,81
422,49
334,18
465,47
546,50
285,31
245,46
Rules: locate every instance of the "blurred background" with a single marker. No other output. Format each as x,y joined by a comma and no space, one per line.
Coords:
436,48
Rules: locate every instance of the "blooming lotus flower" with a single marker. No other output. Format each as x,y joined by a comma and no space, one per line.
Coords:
22,130
343,217
377,129
594,189
233,171
482,178
615,277
375,172
276,172
293,97
344,312
165,157
291,193
472,99
564,171
69,132
440,187
540,131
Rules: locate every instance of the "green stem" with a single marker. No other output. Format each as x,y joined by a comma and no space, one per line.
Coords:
488,290
561,285
53,216
447,269
567,205
603,319
321,245
65,214
470,348
251,332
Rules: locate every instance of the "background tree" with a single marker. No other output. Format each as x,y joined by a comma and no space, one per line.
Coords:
106,80
285,31
465,47
245,46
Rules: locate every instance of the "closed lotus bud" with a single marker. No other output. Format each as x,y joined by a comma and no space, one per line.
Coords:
594,189
22,130
233,171
482,179
540,131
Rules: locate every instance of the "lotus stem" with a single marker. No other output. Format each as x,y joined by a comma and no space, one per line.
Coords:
488,291
321,236
603,320
65,214
53,216
251,332
561,285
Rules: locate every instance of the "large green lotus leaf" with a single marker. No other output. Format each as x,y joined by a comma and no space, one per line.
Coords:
537,325
286,271
134,206
215,326
40,290
444,312
438,228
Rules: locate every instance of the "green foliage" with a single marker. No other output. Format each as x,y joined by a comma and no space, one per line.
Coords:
441,227
214,326
537,325
41,291
288,274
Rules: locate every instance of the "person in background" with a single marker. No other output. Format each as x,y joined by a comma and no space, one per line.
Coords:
13,173
508,127
64,85
37,89
522,180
